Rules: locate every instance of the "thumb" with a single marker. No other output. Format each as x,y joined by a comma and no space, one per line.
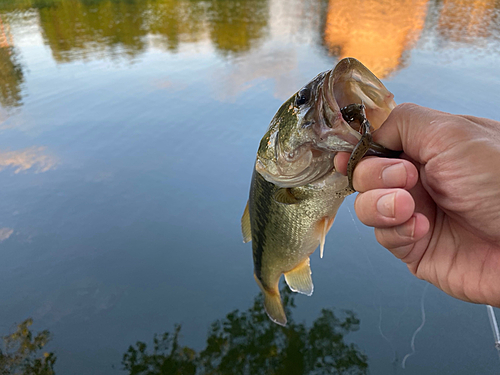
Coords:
419,131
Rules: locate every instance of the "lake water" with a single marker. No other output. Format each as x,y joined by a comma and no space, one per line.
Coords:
128,132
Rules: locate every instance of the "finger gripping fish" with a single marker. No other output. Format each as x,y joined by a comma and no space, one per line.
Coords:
295,191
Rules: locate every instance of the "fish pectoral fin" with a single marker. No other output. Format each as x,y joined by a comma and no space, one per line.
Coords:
285,196
324,226
272,303
246,229
299,279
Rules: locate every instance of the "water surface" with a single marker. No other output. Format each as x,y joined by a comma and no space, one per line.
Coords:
128,132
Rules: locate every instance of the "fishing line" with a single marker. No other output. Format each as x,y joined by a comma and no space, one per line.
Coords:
389,341
355,224
494,327
422,309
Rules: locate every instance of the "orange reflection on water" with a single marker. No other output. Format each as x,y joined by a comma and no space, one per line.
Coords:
5,35
22,160
466,20
375,32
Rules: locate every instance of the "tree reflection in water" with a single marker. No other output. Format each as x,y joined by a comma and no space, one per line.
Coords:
20,350
11,73
86,29
249,343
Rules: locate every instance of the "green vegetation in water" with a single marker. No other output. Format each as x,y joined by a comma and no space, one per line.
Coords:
80,29
249,343
11,78
88,29
20,352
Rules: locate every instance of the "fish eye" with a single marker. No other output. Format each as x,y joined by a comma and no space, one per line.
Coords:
302,97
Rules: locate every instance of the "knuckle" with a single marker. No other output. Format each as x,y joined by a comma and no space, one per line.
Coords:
382,236
388,238
405,107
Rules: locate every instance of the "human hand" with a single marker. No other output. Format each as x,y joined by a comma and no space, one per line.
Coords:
438,208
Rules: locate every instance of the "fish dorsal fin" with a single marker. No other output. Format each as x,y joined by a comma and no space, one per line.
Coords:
299,279
323,226
285,196
246,229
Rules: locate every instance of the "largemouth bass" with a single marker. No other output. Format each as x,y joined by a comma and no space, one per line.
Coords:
295,191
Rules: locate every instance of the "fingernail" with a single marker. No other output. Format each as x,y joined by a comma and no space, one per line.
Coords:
407,229
385,205
394,175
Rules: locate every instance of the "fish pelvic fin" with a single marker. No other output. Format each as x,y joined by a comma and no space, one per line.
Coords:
246,229
323,227
299,279
272,303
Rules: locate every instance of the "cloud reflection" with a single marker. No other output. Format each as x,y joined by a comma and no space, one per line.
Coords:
278,64
5,233
30,158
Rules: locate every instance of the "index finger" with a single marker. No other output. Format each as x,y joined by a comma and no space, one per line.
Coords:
379,173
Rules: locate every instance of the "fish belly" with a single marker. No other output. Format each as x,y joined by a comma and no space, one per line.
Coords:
285,235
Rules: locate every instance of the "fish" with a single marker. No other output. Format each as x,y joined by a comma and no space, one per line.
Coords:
295,191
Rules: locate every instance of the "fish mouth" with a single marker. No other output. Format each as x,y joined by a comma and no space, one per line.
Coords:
324,130
333,132
327,133
312,160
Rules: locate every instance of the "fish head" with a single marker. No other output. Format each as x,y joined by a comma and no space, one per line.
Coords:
309,129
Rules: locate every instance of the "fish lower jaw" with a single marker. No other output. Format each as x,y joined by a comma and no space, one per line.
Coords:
288,174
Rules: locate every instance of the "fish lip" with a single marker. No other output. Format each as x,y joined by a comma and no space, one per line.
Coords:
333,132
348,137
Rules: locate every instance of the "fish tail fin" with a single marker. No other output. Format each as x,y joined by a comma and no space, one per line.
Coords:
272,303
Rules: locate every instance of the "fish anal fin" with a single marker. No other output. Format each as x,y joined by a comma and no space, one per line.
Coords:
324,226
272,303
285,196
299,279
246,229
